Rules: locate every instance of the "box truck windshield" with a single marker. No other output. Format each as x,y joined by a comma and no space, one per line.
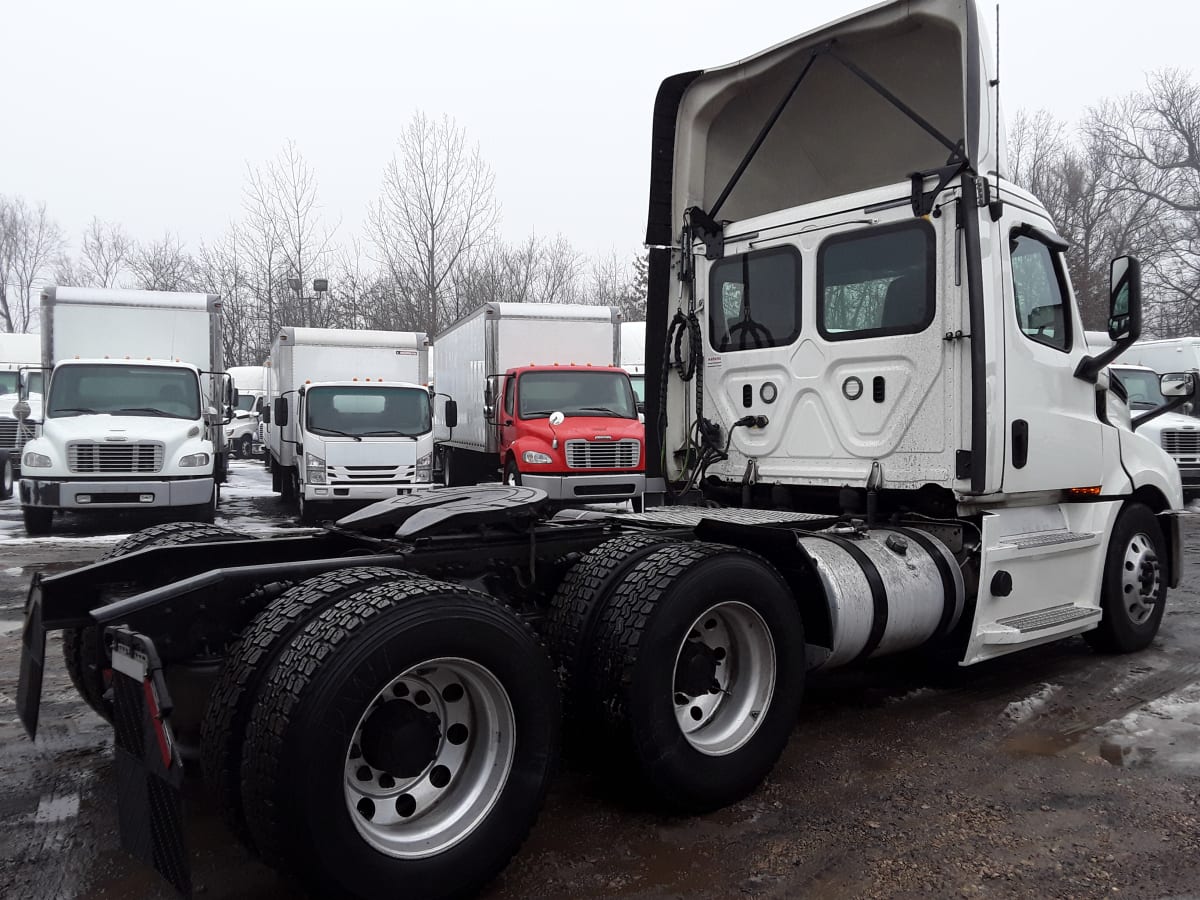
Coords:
138,390
576,394
246,402
1142,388
360,412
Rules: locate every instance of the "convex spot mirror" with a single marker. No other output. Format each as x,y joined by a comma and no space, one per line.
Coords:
281,411
21,410
557,418
1177,384
1125,298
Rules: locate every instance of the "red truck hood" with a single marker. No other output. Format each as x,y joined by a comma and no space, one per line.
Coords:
586,427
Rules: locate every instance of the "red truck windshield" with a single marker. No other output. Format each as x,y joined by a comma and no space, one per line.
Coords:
575,393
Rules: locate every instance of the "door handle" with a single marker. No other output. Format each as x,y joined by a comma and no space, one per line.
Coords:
1020,443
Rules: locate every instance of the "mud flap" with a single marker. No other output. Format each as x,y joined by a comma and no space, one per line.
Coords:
33,660
149,768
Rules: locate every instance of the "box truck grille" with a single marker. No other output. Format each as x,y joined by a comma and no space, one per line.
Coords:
89,456
603,454
343,475
1181,443
12,435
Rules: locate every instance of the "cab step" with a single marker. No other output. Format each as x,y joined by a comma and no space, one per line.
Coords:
1064,619
1047,539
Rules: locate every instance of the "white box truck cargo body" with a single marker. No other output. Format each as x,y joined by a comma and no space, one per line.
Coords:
135,405
244,434
633,357
1167,355
351,417
19,352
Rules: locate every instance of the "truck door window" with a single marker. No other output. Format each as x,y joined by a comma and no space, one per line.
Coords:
510,384
754,300
876,282
1039,291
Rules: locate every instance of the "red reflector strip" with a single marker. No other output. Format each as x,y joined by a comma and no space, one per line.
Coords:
164,745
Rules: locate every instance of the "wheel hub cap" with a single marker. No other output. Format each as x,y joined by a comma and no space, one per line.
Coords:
1141,579
401,739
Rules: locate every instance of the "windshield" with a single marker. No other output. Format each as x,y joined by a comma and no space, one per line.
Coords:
576,394
362,411
639,387
124,390
8,382
246,402
1142,388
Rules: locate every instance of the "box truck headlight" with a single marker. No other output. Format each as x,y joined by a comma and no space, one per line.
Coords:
316,468
425,467
194,459
540,459
33,460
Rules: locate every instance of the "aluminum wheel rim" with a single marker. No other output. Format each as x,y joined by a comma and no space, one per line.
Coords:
426,814
8,477
722,719
1141,578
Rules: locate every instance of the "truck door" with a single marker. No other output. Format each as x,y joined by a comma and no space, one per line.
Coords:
506,416
1053,436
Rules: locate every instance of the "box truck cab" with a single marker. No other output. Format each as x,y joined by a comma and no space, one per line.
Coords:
1177,434
135,406
572,431
244,433
351,418
20,361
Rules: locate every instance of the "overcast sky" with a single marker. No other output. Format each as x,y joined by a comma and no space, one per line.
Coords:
144,114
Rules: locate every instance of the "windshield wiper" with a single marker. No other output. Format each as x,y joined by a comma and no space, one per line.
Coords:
605,409
391,432
73,411
318,429
536,412
146,411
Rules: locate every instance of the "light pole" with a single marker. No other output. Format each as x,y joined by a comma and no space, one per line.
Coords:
320,286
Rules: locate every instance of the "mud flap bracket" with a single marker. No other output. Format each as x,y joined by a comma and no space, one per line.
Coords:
149,768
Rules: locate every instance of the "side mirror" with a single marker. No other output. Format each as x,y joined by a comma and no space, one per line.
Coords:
1125,299
21,410
1176,384
281,411
241,414
233,401
451,414
265,411
213,417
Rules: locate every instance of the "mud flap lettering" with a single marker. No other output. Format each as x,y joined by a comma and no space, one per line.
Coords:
149,769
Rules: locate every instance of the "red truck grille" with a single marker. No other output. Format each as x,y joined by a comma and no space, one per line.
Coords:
622,454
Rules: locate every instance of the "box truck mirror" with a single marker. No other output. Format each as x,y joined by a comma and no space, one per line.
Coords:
1176,384
265,412
281,412
451,414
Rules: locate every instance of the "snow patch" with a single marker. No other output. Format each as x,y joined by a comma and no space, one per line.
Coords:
8,627
52,808
916,694
1166,729
1023,710
14,570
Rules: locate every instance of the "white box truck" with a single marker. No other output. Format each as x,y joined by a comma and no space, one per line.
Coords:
351,418
538,397
633,358
244,434
135,407
1180,354
20,359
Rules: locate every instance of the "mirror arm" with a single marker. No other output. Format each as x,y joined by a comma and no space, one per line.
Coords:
1089,367
1173,404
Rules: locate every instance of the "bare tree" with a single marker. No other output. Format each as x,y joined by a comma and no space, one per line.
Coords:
437,204
105,253
8,244
29,242
162,265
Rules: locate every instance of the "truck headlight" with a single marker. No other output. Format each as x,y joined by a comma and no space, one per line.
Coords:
540,459
194,459
316,468
425,467
33,460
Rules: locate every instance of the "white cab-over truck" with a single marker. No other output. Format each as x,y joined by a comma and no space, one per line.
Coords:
351,419
20,359
882,432
244,433
135,406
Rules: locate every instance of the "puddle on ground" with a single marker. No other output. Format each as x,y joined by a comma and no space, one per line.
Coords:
1164,732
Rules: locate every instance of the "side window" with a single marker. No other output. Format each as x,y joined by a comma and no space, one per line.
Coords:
754,300
510,384
877,282
1039,291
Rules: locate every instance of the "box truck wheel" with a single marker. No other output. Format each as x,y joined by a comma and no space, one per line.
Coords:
699,668
404,740
1133,594
84,652
38,520
575,611
6,478
246,664
206,513
245,447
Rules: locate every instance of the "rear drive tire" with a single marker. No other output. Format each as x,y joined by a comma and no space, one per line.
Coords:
699,669
38,520
249,659
84,653
347,807
6,478
1133,593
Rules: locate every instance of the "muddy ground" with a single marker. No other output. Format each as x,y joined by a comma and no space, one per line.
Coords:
1052,773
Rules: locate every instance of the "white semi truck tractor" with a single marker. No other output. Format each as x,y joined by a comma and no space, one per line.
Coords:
351,419
135,406
873,426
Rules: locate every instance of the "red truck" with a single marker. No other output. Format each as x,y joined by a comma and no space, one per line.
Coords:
534,394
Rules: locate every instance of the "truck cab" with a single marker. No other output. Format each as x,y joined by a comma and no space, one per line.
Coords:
572,431
1177,434
244,433
20,361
